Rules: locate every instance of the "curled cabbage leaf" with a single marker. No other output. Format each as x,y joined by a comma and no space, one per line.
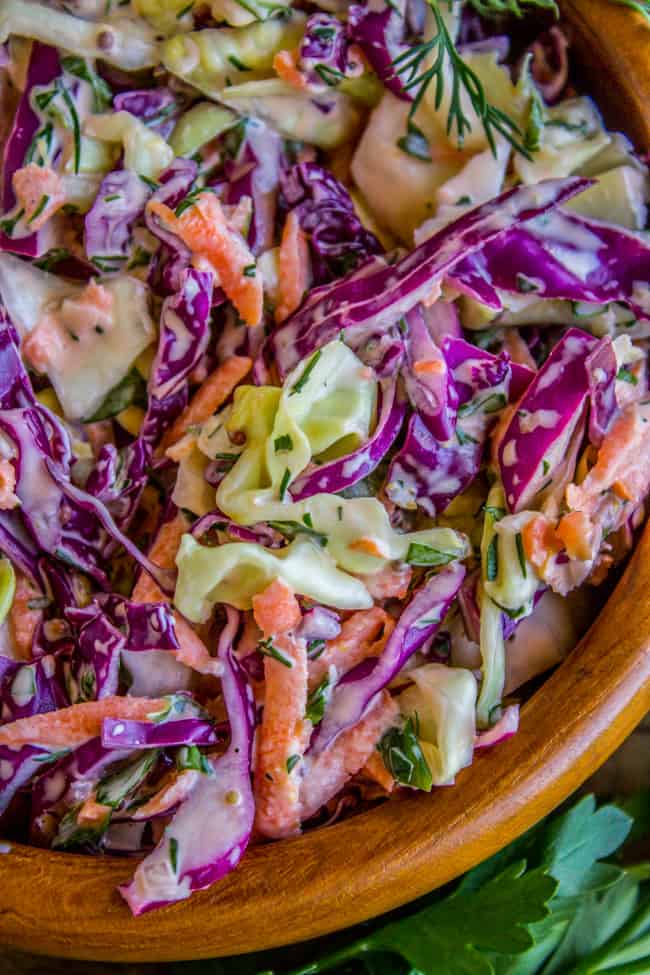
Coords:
212,59
126,43
145,151
441,703
235,572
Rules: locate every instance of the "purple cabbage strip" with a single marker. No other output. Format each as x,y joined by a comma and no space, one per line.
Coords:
601,369
211,829
106,627
535,442
44,67
374,298
538,259
261,534
380,35
319,623
168,734
29,688
337,238
428,472
119,203
345,471
256,173
324,45
158,108
432,393
418,623
19,765
173,257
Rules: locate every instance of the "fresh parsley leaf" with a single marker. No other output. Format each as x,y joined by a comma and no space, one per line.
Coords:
317,701
300,383
497,8
420,554
403,757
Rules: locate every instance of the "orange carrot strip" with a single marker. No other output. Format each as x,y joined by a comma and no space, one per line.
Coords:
276,609
92,812
293,267
283,734
209,397
357,641
428,367
327,774
576,532
22,620
39,192
376,770
540,541
284,65
204,229
391,582
72,726
8,499
175,787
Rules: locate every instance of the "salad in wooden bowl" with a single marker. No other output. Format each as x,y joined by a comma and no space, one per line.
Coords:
323,439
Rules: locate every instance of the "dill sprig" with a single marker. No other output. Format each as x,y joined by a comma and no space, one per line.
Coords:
411,66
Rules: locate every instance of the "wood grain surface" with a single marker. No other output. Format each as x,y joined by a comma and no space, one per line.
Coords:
66,905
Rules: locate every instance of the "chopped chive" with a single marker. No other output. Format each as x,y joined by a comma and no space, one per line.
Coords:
283,443
419,554
185,10
545,467
292,761
492,561
113,196
42,203
307,519
250,270
76,129
7,226
315,649
284,483
339,512
236,63
495,513
300,384
267,649
173,853
626,376
464,438
151,183
317,701
329,75
521,554
525,285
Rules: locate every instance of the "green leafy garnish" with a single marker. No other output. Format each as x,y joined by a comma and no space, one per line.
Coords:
300,383
292,528
411,66
420,554
292,761
492,561
42,203
497,8
626,376
403,757
317,701
283,443
521,555
173,853
102,95
130,391
190,757
267,649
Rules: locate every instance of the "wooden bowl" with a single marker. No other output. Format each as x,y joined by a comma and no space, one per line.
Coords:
64,904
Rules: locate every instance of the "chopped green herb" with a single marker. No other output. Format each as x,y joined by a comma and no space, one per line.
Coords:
491,404
250,271
52,258
464,438
495,513
284,483
185,10
292,761
76,128
329,75
626,376
492,560
521,555
415,143
190,757
317,702
545,467
463,201
292,528
283,443
267,649
315,649
151,183
236,63
42,203
420,554
7,226
403,757
102,94
300,383
113,196
339,512
526,285
173,853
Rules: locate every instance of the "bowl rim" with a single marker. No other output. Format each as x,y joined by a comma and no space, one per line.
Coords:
66,905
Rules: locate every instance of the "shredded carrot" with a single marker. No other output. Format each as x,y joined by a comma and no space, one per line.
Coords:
72,726
283,737
23,619
575,530
293,276
540,541
376,770
362,635
276,609
175,787
209,397
8,499
327,774
39,192
391,582
517,348
92,813
622,491
368,546
204,229
428,367
284,65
